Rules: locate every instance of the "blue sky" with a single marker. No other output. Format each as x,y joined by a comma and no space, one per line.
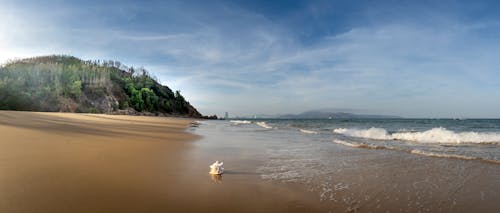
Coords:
408,58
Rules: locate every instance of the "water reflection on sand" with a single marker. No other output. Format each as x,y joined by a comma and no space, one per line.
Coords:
216,178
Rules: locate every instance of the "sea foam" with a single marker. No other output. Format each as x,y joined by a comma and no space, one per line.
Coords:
264,125
372,133
442,155
237,122
435,135
415,151
308,131
362,145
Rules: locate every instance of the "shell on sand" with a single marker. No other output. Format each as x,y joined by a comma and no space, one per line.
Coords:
216,168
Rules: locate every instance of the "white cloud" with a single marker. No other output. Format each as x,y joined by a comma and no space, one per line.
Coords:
384,66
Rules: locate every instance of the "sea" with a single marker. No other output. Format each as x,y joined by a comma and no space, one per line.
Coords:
469,139
367,165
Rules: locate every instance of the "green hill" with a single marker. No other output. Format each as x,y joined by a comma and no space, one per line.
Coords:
69,84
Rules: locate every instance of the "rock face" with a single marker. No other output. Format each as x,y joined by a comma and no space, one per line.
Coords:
105,104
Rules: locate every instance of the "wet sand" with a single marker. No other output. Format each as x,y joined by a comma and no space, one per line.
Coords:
390,181
62,162
324,176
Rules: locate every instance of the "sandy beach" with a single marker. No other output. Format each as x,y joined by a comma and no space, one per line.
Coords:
62,162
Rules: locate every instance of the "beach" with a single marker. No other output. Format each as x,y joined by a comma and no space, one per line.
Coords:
64,162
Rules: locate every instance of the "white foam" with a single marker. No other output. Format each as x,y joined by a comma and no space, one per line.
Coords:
372,133
435,135
264,125
240,122
414,151
361,145
195,123
441,155
308,131
345,143
442,135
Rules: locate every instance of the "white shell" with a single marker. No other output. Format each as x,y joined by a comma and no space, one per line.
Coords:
216,168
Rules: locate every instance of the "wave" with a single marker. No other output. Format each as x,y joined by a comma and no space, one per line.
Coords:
415,151
308,131
372,133
264,125
195,124
361,145
260,123
441,155
435,135
345,143
237,122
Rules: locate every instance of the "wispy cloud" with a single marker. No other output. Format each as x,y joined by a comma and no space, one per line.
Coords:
226,57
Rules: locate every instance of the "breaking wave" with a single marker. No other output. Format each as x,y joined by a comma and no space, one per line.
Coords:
264,125
237,122
435,135
260,123
361,145
372,133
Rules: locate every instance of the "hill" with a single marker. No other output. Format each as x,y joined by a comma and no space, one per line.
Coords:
69,84
322,114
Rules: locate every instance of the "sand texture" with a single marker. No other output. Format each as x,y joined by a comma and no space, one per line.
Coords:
63,162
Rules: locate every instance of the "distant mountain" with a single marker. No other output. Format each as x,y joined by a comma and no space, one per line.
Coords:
69,84
321,114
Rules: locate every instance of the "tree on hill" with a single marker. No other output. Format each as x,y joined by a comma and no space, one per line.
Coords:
66,83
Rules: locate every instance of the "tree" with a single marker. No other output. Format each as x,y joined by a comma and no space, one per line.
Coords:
76,89
136,100
150,99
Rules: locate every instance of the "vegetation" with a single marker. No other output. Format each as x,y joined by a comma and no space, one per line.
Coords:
68,84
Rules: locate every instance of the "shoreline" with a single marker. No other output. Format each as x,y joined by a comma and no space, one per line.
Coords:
332,177
123,113
65,162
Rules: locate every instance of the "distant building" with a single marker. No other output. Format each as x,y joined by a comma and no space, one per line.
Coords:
226,115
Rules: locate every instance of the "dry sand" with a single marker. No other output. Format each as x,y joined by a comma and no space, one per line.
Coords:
62,162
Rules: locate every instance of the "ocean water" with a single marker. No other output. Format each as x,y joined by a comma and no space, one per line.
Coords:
470,139
377,165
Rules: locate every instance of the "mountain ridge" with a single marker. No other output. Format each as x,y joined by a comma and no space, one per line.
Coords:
322,114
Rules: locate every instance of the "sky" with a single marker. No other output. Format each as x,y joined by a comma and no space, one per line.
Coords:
406,58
